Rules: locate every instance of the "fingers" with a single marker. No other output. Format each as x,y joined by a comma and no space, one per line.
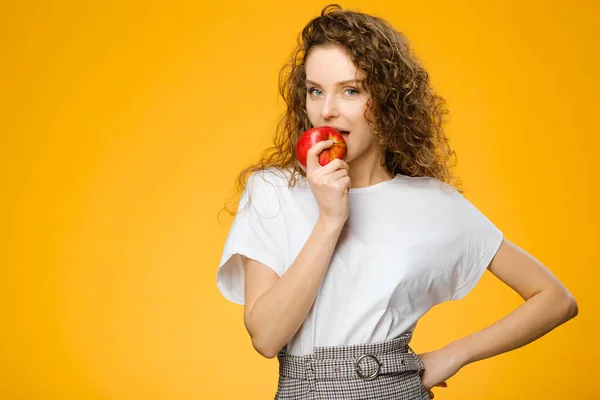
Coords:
335,165
312,156
345,184
338,174
441,384
312,159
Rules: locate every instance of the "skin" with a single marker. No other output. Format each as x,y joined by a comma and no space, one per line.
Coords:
333,99
276,307
336,98
547,304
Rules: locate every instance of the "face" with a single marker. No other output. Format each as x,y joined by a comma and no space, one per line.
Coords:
335,97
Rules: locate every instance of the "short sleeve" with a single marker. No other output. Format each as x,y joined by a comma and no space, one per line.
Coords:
475,241
256,232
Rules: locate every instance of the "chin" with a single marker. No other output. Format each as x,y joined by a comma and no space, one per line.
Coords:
349,160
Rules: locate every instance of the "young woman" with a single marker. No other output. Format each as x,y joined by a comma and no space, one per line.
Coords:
336,265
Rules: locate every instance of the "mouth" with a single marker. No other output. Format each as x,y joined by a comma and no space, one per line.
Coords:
344,132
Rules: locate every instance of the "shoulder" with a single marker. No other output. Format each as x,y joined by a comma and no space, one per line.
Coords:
265,188
272,174
274,178
279,178
428,187
437,198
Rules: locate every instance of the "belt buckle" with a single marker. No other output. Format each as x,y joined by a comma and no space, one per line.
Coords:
358,369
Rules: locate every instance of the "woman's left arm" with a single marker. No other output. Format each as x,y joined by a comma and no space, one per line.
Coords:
548,304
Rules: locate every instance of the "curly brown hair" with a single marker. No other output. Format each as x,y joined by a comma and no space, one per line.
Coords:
406,115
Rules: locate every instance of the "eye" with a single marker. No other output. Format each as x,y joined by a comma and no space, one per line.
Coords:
351,91
314,91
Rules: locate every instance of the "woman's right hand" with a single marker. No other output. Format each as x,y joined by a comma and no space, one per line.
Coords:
330,184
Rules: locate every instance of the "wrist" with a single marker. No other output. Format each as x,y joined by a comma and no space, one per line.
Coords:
458,353
331,224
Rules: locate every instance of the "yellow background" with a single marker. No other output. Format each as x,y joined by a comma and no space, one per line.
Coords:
124,125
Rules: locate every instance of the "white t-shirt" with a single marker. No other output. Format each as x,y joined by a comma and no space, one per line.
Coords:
408,244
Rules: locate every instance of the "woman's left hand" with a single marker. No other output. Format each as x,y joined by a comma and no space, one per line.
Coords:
440,365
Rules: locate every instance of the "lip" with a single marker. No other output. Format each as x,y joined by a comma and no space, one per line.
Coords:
340,130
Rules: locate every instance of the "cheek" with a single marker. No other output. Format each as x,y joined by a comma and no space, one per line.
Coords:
358,115
312,110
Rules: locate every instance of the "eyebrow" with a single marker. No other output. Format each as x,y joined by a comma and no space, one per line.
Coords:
342,83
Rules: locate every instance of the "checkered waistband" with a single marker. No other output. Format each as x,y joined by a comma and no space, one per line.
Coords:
365,361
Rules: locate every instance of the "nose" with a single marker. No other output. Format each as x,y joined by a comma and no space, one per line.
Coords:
329,108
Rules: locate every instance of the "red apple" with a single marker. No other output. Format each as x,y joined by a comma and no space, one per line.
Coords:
314,135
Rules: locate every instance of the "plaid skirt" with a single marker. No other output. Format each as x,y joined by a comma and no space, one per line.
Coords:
385,370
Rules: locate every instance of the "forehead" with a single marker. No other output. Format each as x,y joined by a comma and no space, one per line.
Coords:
330,64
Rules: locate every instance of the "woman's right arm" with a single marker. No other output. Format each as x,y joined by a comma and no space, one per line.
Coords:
276,307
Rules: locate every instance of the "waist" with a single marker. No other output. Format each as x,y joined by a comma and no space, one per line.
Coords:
364,361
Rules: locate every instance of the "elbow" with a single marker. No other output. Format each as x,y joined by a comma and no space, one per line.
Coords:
569,305
264,347
573,307
261,341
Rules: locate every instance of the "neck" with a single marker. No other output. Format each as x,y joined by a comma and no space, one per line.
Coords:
366,170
